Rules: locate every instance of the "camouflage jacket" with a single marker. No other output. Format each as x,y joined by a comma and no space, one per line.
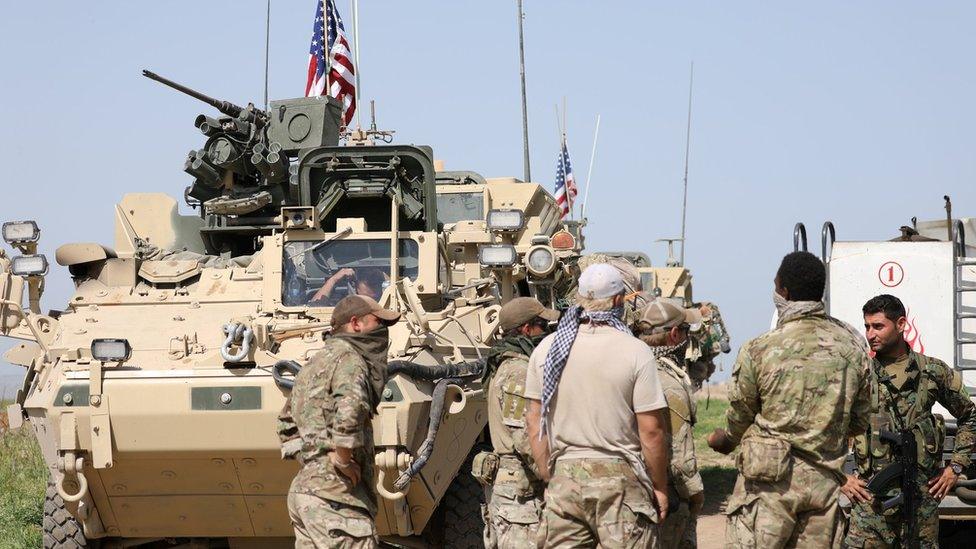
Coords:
331,405
804,382
506,409
904,401
678,392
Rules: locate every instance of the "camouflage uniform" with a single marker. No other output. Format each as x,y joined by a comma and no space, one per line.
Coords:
330,405
679,529
902,399
604,492
799,392
515,498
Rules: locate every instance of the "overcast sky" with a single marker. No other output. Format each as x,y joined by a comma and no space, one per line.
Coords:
861,113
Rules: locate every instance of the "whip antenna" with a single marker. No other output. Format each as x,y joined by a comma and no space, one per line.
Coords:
267,49
525,115
684,204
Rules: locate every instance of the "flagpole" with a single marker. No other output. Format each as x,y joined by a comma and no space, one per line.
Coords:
357,92
684,204
525,115
589,170
565,145
327,48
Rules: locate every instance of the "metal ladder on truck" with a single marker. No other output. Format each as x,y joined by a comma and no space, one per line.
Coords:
959,289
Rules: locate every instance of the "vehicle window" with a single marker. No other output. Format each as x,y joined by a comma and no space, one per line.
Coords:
319,275
647,281
455,207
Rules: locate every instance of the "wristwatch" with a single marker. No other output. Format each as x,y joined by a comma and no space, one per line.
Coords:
956,468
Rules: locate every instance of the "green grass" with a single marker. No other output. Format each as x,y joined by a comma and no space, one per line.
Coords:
23,480
717,471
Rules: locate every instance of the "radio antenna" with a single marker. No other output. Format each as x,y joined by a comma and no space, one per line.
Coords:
684,203
525,114
267,50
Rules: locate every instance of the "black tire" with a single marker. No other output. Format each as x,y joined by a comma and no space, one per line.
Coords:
61,530
463,527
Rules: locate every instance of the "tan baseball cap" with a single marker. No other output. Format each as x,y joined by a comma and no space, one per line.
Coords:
661,313
523,309
358,306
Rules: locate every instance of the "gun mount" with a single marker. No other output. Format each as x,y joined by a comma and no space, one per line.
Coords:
247,169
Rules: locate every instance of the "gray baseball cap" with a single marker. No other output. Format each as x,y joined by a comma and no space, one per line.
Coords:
599,281
662,313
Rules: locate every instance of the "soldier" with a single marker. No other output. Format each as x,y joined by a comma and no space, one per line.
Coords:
326,425
799,392
664,326
904,386
595,424
515,498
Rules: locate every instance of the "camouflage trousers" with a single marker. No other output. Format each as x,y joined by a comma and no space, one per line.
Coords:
679,530
597,502
513,510
320,523
873,528
800,510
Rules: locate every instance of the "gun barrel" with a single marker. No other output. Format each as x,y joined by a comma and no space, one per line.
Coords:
225,107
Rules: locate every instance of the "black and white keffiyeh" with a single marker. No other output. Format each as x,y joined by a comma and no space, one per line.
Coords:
562,343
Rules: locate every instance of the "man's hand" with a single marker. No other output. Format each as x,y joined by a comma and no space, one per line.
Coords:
348,469
696,502
661,504
856,489
720,442
941,485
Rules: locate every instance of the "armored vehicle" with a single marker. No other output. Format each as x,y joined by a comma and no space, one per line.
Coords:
154,392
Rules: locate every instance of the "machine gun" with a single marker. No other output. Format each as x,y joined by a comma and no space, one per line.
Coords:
226,107
904,470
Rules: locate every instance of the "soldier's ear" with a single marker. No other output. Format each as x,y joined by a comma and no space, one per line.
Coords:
901,323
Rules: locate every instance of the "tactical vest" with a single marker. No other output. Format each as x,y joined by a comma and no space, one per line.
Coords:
928,428
680,410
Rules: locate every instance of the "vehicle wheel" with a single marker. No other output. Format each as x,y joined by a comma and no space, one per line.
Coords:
61,530
463,527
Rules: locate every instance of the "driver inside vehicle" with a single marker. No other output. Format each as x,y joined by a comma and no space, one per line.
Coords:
367,281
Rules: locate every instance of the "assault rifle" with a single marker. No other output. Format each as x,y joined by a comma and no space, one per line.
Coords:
905,470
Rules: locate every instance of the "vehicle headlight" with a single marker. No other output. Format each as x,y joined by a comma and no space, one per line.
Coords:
20,232
540,260
497,255
505,220
111,350
29,265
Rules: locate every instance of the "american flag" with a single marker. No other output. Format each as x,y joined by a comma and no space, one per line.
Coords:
342,73
565,183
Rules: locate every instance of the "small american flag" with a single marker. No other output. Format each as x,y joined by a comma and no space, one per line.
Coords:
565,183
342,73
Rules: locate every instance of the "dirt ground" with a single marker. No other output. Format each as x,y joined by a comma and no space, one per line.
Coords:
711,531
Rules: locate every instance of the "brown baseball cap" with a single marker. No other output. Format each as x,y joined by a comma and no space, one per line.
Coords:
523,309
359,306
662,313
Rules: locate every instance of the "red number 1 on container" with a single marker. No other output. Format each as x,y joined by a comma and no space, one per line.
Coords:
891,274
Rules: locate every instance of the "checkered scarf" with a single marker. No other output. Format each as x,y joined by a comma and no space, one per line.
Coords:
562,343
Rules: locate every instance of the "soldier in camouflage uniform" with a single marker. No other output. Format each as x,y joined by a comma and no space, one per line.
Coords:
326,425
904,386
513,490
706,341
664,327
799,392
